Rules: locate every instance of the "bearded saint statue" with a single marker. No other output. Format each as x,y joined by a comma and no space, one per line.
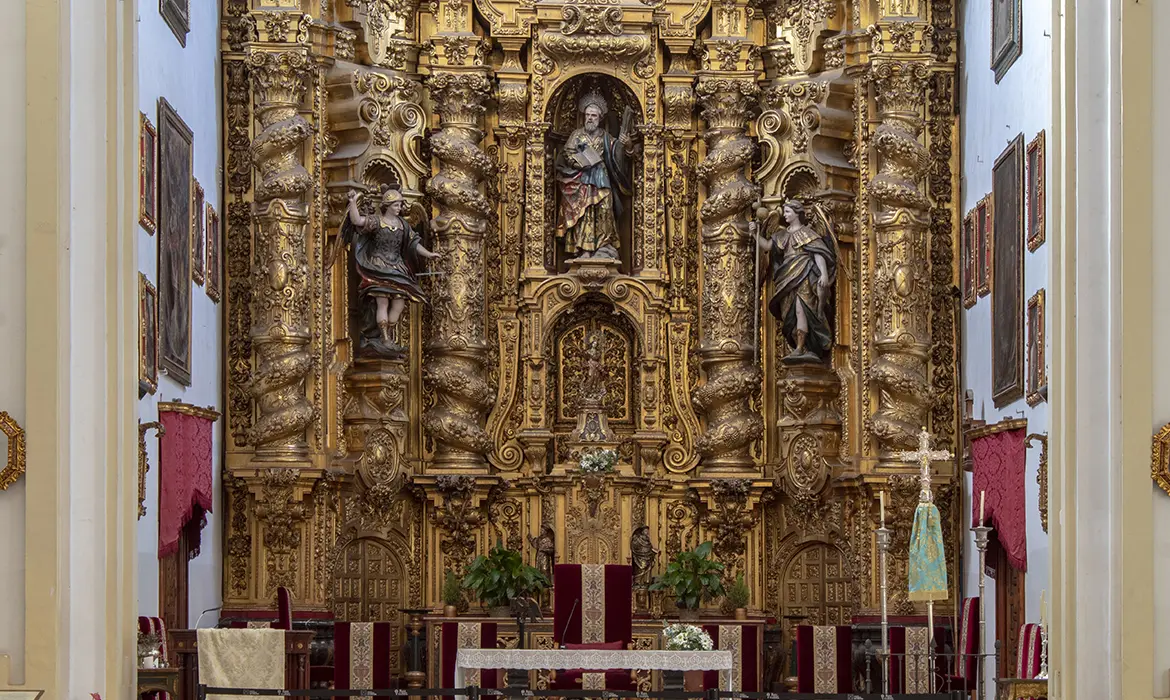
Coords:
592,170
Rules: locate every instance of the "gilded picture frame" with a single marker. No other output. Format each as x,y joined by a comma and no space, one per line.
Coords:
198,235
984,241
147,337
969,260
1036,208
1007,35
1037,358
177,15
175,157
1007,271
214,285
147,174
15,465
1160,458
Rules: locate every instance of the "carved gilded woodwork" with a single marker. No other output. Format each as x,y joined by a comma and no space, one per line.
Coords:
14,464
359,483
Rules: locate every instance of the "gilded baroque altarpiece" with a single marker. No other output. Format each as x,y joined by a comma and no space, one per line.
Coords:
357,481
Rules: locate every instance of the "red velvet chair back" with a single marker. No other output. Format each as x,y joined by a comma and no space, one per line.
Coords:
283,609
745,642
967,651
362,656
593,603
467,635
824,659
1028,652
909,662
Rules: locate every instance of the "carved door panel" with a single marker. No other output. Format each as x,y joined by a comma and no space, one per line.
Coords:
816,587
371,587
1009,608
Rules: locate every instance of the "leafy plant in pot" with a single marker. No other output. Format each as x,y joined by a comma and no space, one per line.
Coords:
736,599
452,594
501,577
694,578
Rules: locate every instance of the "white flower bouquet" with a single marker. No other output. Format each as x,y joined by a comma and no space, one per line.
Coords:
598,462
687,638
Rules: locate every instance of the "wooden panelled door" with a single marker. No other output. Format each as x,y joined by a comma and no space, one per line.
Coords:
1009,607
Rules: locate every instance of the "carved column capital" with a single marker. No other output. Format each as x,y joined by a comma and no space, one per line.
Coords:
727,101
279,78
900,89
460,98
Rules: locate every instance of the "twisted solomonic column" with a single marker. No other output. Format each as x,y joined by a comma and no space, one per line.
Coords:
457,342
901,290
280,279
726,309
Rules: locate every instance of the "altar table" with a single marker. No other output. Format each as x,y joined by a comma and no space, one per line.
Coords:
591,660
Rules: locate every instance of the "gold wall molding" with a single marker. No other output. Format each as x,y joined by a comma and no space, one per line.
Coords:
1042,476
143,462
207,413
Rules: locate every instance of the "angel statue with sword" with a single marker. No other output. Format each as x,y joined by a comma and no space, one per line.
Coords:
388,255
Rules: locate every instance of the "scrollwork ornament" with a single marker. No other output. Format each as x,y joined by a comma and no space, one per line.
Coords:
591,19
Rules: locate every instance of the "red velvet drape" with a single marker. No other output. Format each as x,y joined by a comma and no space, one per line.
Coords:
184,472
999,462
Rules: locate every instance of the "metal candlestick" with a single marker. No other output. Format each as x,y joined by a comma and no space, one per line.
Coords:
1043,675
981,533
883,543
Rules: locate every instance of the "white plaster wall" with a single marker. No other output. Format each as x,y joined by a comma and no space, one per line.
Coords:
1161,333
189,80
992,115
12,326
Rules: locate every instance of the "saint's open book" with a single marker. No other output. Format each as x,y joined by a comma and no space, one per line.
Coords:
588,158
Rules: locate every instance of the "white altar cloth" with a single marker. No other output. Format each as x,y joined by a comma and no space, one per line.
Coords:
591,660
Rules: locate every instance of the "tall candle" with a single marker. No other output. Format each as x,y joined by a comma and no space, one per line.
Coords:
882,501
1043,610
982,502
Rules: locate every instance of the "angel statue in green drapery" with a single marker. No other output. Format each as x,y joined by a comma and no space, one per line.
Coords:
592,170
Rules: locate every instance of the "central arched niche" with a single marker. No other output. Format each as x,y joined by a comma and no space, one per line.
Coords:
566,356
563,115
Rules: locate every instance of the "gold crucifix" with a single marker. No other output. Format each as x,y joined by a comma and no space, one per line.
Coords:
924,456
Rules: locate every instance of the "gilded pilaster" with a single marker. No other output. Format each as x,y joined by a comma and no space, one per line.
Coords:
280,276
727,348
457,341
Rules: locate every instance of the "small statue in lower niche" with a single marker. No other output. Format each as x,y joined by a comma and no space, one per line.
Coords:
388,255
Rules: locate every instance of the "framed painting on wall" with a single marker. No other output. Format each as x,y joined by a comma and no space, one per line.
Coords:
177,15
198,235
968,260
176,149
147,174
1036,211
1007,292
147,337
214,285
1037,369
1007,35
984,227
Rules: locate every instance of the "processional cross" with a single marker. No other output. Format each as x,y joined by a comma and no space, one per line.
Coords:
924,456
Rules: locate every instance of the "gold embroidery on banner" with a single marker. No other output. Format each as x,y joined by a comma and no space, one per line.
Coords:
731,639
592,603
824,659
593,681
917,669
361,656
469,639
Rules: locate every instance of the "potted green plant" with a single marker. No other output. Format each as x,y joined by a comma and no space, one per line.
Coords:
693,577
737,597
501,577
452,592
